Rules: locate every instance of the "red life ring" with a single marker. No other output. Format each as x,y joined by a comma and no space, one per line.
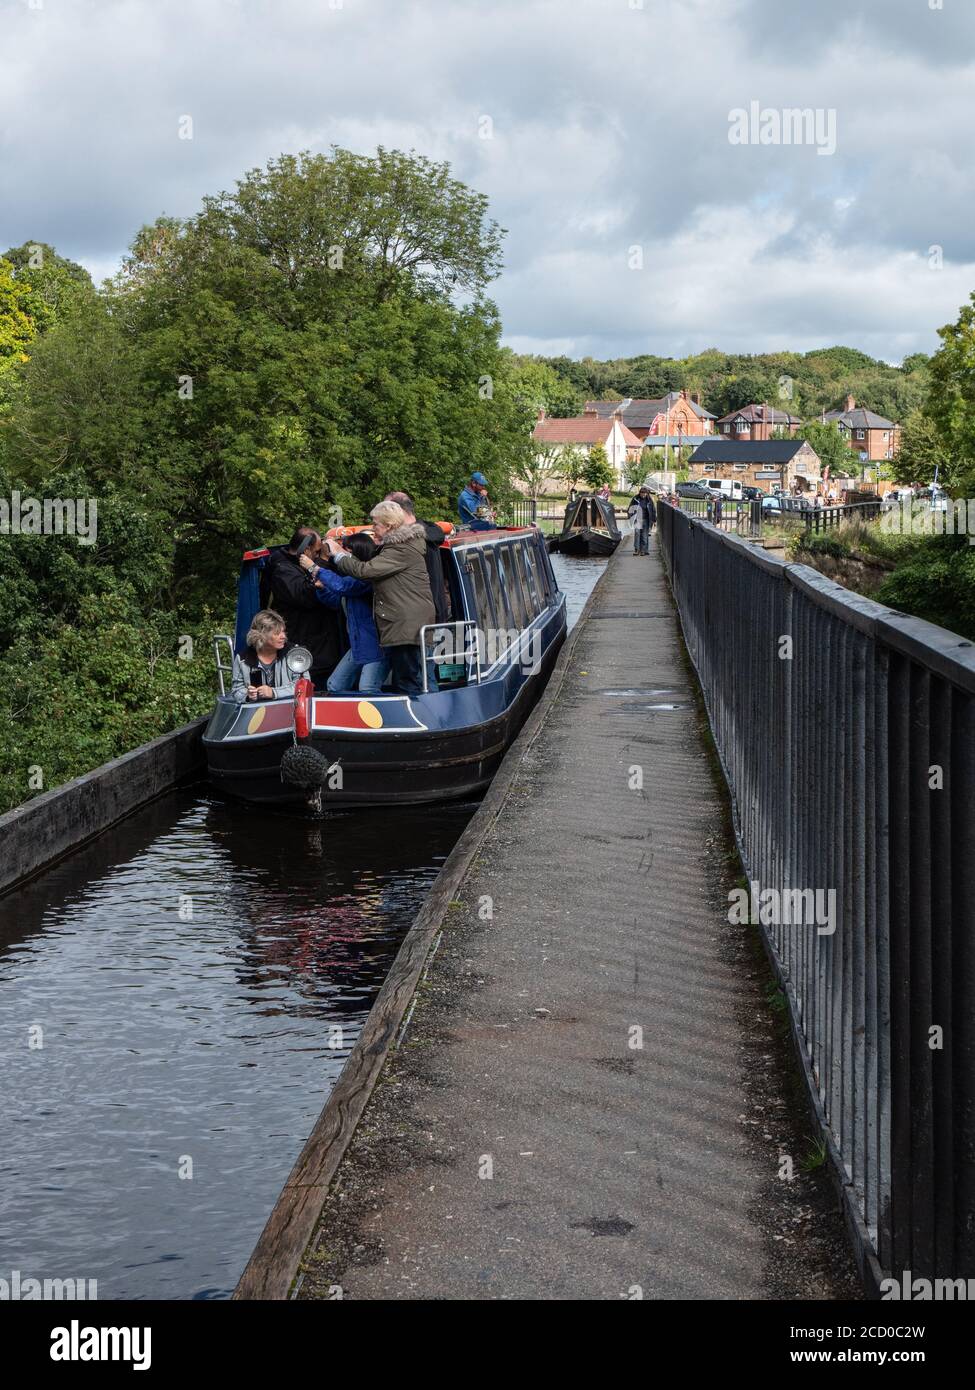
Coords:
304,692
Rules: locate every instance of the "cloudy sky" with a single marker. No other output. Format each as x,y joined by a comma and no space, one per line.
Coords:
598,128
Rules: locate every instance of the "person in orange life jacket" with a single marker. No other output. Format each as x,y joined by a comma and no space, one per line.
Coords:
364,666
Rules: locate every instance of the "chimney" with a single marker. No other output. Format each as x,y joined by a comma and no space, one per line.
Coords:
541,413
591,411
850,403
696,397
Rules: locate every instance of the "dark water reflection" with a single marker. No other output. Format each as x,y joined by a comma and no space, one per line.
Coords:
199,985
576,574
198,976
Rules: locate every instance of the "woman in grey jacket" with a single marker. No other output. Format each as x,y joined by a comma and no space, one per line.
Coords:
262,672
401,599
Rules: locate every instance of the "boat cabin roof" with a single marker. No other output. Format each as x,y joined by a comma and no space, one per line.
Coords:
499,533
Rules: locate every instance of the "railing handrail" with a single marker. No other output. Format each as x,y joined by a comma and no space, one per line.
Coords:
846,733
471,654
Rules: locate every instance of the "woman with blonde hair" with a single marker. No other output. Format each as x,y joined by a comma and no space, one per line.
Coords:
262,672
401,600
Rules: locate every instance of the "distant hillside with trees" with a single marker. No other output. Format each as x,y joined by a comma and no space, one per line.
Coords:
805,383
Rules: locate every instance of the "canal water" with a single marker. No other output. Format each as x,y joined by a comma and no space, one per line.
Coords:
176,1001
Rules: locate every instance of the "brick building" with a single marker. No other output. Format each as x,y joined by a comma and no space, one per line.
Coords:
867,434
675,415
757,422
764,463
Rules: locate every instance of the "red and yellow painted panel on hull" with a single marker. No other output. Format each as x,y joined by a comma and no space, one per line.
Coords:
365,715
384,714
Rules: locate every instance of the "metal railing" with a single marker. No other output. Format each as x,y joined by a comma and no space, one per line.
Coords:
521,513
439,643
847,736
224,668
822,518
743,517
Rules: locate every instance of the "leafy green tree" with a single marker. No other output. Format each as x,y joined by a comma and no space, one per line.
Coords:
17,327
596,471
571,462
951,402
54,286
922,450
543,388
833,450
539,466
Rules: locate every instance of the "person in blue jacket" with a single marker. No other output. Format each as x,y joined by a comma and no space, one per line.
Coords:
472,504
364,666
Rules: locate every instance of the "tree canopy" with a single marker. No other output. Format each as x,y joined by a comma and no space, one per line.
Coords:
313,338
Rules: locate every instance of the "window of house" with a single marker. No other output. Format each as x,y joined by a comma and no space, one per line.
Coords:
861,434
741,426
726,429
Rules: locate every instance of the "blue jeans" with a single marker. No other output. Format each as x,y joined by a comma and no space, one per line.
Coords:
366,678
641,540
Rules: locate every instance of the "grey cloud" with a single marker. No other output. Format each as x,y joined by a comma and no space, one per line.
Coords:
610,128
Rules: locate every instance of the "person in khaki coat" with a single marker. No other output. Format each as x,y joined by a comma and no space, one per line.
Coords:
402,603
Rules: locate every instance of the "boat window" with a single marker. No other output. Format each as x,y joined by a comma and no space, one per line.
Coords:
495,583
512,584
538,574
535,604
482,604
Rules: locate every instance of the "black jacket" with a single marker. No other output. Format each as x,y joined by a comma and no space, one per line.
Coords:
310,624
644,504
435,539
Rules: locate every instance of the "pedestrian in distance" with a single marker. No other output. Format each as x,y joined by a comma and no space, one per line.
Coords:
643,514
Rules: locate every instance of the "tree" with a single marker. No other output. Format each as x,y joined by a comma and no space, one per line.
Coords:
596,471
951,399
537,467
17,327
309,341
921,452
542,388
54,286
833,450
287,352
571,462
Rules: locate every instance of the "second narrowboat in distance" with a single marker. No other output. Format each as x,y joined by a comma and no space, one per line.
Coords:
589,528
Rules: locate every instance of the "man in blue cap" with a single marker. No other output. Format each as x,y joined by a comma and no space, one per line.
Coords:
473,505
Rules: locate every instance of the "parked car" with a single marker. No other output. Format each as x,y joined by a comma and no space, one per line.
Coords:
729,489
753,494
692,490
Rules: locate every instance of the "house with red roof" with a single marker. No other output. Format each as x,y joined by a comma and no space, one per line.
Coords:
673,419
583,431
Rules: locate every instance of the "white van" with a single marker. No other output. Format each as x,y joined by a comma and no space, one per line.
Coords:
730,489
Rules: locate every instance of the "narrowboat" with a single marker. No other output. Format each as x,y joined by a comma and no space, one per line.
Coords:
489,661
589,528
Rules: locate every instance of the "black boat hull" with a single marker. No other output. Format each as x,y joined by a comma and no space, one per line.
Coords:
585,542
400,769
